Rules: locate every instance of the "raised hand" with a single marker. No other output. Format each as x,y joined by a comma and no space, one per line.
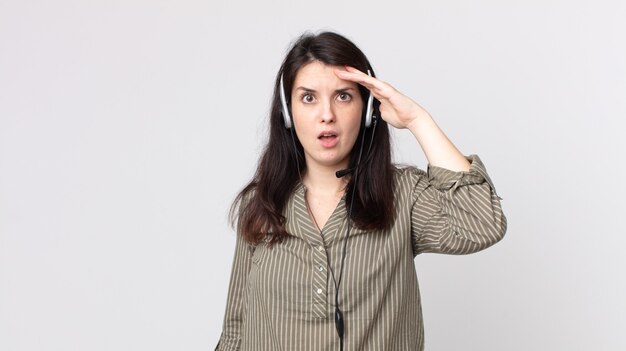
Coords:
396,108
401,111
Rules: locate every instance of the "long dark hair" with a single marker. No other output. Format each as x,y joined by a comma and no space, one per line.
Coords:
260,205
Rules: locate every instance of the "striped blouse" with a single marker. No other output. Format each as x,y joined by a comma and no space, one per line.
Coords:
283,298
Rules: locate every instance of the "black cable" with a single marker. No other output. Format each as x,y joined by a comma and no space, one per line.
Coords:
339,322
295,149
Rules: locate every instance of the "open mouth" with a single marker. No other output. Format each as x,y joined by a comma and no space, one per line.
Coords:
327,136
328,139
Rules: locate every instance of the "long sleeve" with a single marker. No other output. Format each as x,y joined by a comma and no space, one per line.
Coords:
236,301
456,212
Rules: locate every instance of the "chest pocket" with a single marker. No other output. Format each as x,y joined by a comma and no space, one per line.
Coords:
259,254
257,260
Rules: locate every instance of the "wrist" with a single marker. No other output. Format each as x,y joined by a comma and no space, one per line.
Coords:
419,120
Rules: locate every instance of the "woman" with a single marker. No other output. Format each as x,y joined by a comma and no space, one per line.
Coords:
328,227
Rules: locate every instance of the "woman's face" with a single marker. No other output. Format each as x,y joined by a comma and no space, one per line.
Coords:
326,115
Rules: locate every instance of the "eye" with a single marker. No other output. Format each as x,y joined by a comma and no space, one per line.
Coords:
307,98
344,97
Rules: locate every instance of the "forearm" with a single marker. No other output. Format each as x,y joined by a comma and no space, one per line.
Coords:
438,149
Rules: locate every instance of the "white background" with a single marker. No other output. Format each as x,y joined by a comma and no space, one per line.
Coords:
127,127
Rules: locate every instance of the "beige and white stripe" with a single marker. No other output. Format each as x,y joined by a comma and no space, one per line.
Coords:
283,298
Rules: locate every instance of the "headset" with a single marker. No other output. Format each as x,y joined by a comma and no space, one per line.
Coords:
369,120
369,113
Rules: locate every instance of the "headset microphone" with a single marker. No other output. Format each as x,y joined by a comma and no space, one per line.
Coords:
344,172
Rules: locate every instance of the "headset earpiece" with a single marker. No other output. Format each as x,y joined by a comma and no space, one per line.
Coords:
369,111
283,103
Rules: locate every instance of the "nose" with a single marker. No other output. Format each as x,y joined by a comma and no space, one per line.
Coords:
328,112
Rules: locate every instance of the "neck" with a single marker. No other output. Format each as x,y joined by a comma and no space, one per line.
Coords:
321,179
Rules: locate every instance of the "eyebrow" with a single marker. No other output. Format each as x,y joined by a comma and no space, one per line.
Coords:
309,90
